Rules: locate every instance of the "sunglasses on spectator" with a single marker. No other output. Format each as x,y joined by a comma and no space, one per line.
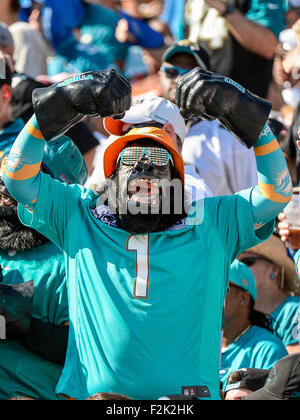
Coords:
250,261
131,155
172,72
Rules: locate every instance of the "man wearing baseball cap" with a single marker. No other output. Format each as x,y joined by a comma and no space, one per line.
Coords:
180,58
141,324
248,341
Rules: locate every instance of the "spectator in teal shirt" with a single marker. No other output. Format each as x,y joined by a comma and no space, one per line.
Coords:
248,341
278,288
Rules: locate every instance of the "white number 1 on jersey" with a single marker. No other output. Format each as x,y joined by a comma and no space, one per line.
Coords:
140,244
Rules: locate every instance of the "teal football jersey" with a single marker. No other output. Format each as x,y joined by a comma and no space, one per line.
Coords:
145,310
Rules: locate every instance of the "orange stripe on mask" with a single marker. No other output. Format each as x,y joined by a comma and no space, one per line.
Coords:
268,192
34,132
267,148
27,172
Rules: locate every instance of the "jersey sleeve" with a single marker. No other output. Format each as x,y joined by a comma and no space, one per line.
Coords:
54,210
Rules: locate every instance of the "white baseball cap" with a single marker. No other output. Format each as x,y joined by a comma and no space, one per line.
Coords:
149,109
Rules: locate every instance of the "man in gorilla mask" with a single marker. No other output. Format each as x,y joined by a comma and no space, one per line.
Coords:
143,194
146,281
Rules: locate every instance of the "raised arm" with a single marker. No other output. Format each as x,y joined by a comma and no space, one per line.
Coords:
211,96
57,109
275,188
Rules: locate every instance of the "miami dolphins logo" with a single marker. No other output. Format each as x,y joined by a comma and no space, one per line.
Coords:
283,183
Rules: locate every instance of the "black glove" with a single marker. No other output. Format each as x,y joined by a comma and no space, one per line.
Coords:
61,106
211,96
